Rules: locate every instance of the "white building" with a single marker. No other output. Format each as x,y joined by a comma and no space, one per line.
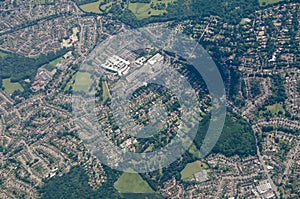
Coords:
116,64
156,58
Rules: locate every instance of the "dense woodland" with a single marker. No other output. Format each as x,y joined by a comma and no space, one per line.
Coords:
18,68
278,90
237,137
75,185
231,10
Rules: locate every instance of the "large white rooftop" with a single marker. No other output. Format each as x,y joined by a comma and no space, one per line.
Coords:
116,64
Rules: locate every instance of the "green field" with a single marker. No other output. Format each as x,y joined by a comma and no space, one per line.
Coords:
190,169
2,54
52,65
268,2
105,91
275,108
143,10
132,183
56,61
83,82
10,87
92,7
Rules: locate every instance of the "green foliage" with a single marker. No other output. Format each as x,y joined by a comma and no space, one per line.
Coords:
158,6
237,137
278,91
18,68
158,177
234,85
75,185
230,10
255,88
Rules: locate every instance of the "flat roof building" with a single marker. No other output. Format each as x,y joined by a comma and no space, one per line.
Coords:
156,58
116,64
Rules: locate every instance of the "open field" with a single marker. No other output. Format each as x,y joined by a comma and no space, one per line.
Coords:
105,91
192,168
143,10
275,108
83,82
268,2
10,87
132,183
92,7
52,64
2,54
56,61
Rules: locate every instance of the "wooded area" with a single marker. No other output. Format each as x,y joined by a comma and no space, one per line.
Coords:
231,10
237,137
75,185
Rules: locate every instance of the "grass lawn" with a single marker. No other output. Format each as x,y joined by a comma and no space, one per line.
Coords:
192,168
275,108
268,2
56,61
49,67
143,10
2,54
105,91
43,1
83,82
105,7
92,7
10,87
52,65
132,183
